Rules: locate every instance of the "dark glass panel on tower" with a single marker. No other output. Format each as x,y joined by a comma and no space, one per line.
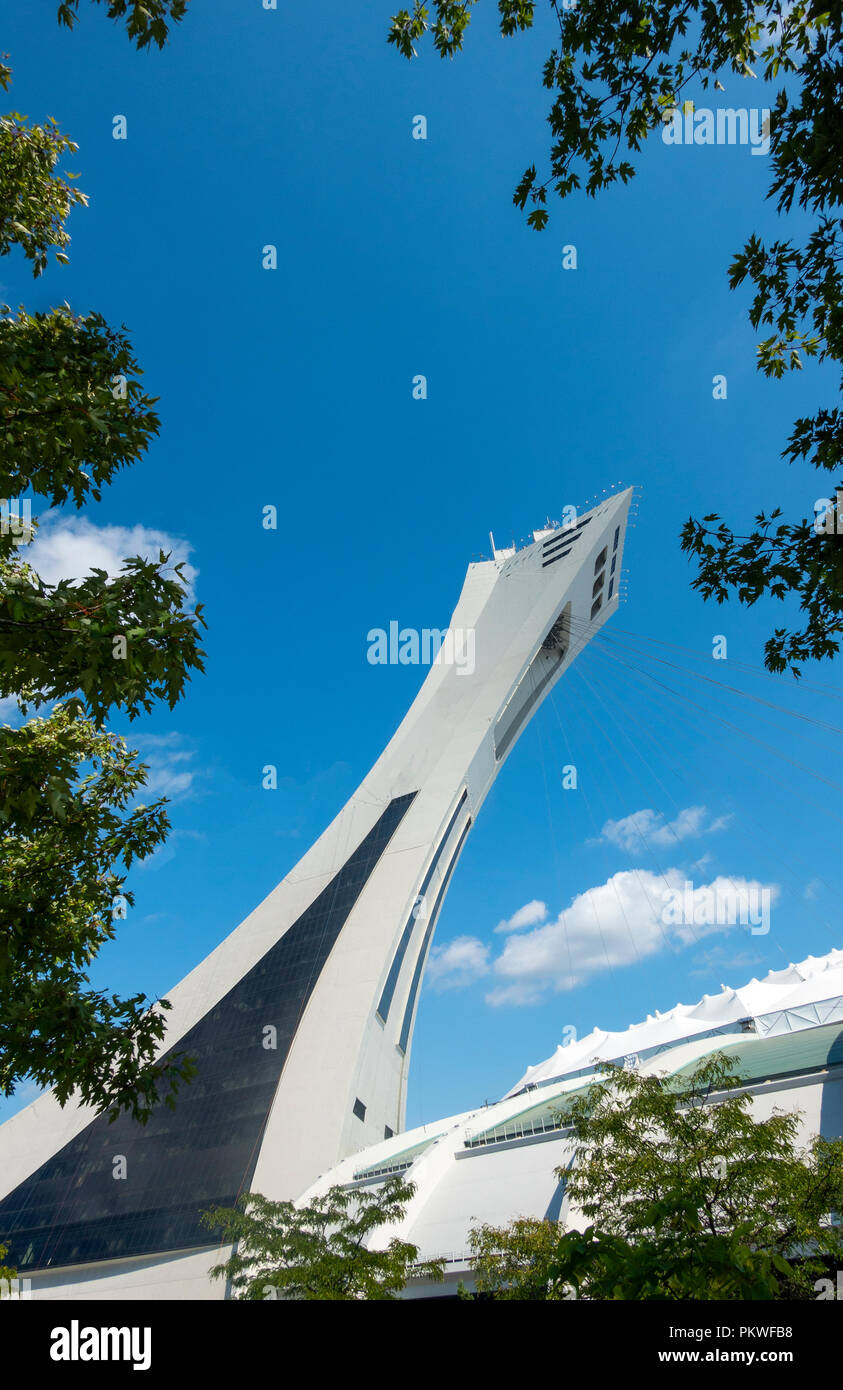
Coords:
77,1208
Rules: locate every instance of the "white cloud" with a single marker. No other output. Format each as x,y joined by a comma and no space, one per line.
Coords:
460,963
646,828
68,547
164,782
166,759
526,916
610,926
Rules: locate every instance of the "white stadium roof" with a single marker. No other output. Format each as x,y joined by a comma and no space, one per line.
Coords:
769,1002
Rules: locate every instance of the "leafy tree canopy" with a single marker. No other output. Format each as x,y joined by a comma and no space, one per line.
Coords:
120,642
513,1262
72,413
320,1251
35,201
73,409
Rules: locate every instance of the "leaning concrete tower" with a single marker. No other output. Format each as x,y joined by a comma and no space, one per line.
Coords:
301,1021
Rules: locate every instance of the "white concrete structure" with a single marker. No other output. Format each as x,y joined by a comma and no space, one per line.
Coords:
785,1033
301,1021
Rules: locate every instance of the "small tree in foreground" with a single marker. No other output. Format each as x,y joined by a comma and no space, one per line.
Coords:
690,1198
319,1251
513,1262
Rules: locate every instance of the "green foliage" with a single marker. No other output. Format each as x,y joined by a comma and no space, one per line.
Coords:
687,1195
68,834
679,1261
617,73
147,21
447,29
619,68
73,414
34,201
513,1262
639,1137
73,410
124,642
780,560
319,1251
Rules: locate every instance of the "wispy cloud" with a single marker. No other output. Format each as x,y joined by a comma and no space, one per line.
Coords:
646,828
168,761
724,958
526,916
459,963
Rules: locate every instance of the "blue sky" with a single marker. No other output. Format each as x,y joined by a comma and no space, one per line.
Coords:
545,386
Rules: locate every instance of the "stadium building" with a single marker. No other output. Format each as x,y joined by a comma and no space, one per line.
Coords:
784,1033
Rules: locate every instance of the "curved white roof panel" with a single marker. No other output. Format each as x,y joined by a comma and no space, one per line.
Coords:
766,1004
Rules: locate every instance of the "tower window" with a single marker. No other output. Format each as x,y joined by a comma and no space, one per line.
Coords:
601,559
598,584
596,606
359,1109
615,541
387,1132
611,587
614,562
